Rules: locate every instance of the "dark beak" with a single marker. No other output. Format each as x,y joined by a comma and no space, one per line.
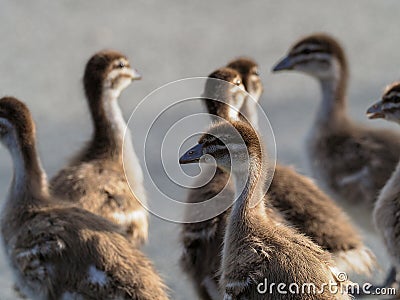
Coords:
285,64
376,111
192,155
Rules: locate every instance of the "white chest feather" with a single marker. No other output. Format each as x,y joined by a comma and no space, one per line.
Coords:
11,141
97,277
131,162
113,113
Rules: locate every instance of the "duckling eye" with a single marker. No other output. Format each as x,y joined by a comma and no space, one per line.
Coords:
121,65
238,82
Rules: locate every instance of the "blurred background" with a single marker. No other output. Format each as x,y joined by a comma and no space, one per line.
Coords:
45,45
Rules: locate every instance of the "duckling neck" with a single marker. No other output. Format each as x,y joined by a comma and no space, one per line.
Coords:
332,109
391,189
29,177
249,110
248,209
224,108
109,126
112,140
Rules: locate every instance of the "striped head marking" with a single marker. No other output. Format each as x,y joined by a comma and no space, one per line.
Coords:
229,144
318,55
388,107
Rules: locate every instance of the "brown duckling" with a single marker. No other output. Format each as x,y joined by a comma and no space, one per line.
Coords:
95,178
57,250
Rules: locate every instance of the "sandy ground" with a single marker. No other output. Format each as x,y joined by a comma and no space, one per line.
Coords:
45,44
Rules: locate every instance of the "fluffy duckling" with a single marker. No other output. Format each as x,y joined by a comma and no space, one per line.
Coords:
257,248
352,161
95,178
202,241
248,70
387,208
293,197
59,251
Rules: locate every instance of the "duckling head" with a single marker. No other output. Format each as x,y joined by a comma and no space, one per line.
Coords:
232,146
248,69
318,55
108,71
388,107
224,93
16,123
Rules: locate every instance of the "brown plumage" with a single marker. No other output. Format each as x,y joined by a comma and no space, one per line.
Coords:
315,214
95,178
248,70
217,100
256,246
59,251
301,203
352,161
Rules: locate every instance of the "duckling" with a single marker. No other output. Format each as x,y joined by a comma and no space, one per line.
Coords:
248,70
95,178
387,207
257,248
353,161
57,250
292,196
202,241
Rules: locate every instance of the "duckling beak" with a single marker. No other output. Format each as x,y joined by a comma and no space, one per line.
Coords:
376,111
285,63
135,75
192,155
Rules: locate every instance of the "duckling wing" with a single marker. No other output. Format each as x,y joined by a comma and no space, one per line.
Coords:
93,186
66,250
104,191
36,244
358,163
372,160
